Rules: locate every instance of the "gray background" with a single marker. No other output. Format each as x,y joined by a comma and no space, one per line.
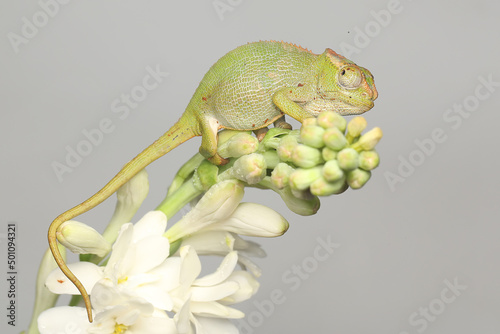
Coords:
398,245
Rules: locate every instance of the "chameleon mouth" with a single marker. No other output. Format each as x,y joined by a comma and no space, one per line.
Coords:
345,108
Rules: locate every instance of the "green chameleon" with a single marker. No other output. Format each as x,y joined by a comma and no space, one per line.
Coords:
247,89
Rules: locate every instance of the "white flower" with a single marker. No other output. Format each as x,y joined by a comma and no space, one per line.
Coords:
196,300
123,313
220,210
221,243
139,250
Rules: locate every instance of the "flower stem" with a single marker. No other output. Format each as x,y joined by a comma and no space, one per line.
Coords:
184,172
178,199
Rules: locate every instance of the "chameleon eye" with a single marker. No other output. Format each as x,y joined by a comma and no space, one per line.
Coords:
350,77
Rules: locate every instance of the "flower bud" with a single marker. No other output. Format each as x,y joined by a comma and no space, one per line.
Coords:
82,239
281,174
332,171
330,119
271,158
254,220
312,135
355,127
358,178
205,175
306,156
348,159
368,160
328,154
309,121
321,187
134,192
286,147
334,139
368,141
250,168
302,178
238,145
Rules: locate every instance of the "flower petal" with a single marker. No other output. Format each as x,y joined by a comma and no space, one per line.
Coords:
154,325
210,242
249,265
149,253
247,287
88,273
152,223
121,248
253,220
63,319
225,269
215,309
190,267
169,273
181,318
155,295
212,293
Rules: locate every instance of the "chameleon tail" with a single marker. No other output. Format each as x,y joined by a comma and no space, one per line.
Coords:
175,136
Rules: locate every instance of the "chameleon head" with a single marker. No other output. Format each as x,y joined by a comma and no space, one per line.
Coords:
349,88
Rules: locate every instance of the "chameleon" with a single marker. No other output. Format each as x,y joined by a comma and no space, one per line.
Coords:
249,88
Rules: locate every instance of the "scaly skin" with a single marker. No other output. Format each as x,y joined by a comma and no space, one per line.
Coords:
247,89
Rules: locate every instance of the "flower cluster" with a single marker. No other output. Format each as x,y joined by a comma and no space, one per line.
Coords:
146,278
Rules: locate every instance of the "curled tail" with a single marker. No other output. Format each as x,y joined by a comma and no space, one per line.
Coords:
176,135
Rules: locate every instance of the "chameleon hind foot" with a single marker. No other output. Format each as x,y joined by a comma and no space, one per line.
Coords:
218,160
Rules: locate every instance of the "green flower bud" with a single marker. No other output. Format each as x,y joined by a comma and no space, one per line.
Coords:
306,156
357,178
302,178
328,154
321,187
295,133
312,135
331,171
281,174
368,141
348,159
330,119
238,145
304,205
82,239
334,139
309,121
355,127
205,175
368,160
271,158
249,168
286,147
226,134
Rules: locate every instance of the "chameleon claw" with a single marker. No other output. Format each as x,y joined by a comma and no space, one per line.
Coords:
218,160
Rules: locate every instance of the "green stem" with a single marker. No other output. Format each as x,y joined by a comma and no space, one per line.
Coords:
177,200
184,172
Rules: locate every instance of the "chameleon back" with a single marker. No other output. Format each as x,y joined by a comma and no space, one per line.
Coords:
238,88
